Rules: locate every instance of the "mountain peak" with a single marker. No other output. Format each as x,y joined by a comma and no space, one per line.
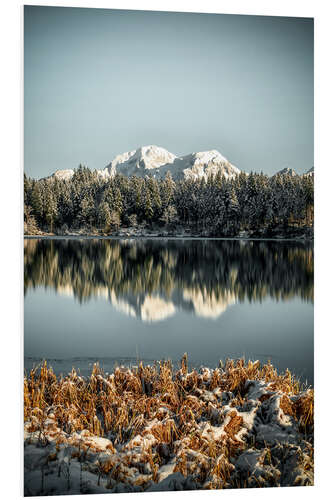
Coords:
310,172
209,156
141,159
63,175
205,163
286,171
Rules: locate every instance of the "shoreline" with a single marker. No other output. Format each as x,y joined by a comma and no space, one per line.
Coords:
159,427
83,364
153,237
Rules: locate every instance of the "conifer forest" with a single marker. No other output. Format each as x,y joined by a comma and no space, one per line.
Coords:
216,207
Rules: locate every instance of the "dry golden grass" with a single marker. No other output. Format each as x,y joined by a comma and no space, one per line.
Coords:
127,397
166,404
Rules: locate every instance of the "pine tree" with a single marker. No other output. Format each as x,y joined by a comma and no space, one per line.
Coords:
167,190
115,220
30,225
87,210
27,183
155,197
37,201
169,216
118,202
133,220
104,216
65,205
50,207
148,210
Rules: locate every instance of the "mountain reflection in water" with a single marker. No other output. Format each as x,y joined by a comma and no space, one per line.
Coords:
152,279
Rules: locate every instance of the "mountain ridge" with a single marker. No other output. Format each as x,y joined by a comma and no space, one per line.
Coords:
286,171
155,161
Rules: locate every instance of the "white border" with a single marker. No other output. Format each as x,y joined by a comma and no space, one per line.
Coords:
11,226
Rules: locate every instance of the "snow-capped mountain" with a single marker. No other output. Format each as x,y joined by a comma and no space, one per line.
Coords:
292,173
309,173
154,161
62,175
198,165
139,161
286,171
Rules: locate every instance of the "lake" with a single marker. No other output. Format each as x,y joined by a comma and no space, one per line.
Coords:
118,301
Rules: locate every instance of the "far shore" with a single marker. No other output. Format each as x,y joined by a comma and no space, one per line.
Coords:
157,237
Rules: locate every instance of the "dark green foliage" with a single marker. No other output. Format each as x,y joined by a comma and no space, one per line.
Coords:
216,207
104,215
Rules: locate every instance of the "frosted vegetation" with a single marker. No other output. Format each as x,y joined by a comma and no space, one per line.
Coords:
155,428
221,202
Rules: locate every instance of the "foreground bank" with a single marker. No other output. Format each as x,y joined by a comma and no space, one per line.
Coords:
155,428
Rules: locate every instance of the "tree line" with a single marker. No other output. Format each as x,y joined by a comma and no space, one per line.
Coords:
213,207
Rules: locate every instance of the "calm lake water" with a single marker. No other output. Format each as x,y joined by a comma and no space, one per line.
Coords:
123,300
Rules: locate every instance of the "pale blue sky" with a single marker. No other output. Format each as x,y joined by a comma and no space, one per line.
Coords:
100,82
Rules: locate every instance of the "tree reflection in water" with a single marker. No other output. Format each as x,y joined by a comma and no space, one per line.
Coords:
151,278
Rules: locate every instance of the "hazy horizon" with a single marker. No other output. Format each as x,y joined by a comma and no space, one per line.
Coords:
101,82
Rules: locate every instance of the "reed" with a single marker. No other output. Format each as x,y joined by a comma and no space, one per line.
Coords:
195,416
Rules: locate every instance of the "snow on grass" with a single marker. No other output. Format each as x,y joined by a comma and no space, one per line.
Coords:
156,428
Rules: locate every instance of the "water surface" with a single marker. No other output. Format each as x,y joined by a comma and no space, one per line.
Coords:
123,300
